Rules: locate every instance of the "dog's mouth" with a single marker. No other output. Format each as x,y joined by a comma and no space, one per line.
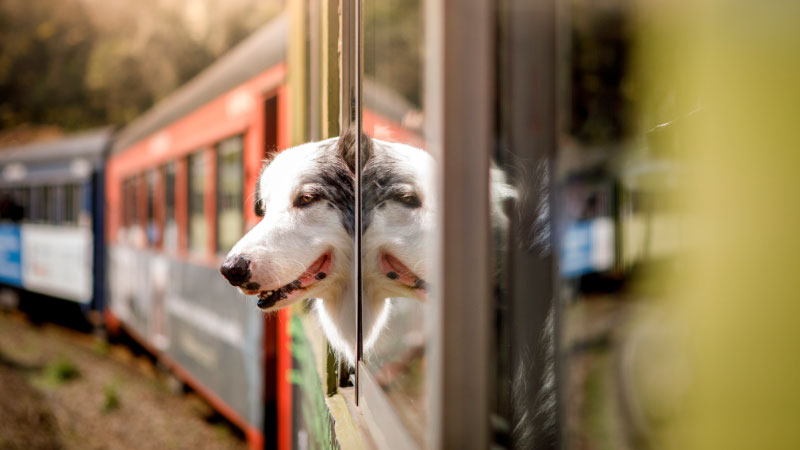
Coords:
315,273
395,270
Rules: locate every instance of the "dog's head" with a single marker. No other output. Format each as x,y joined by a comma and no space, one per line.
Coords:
398,219
302,247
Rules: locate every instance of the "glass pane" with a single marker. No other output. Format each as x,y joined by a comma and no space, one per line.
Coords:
70,204
153,229
398,207
48,204
230,214
198,238
523,404
39,203
24,201
170,226
619,228
131,233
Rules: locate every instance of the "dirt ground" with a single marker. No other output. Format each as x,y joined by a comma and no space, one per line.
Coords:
64,389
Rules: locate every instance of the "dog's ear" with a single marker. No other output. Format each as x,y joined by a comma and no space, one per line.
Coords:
347,148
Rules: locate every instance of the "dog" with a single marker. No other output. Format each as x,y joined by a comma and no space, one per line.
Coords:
399,216
302,248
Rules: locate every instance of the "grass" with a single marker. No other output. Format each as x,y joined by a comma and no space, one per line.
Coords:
59,372
101,347
111,399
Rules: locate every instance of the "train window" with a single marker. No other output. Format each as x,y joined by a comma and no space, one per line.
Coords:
398,201
10,209
131,209
230,188
618,168
170,225
152,229
36,204
196,186
123,202
58,205
523,405
24,200
5,203
126,204
48,204
71,204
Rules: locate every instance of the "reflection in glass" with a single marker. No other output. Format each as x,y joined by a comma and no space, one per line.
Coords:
399,206
617,174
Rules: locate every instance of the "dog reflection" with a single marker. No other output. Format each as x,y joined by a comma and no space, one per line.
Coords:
303,246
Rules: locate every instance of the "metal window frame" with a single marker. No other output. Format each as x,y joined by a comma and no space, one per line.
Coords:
459,88
459,113
350,117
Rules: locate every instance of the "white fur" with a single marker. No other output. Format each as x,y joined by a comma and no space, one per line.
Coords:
289,239
403,232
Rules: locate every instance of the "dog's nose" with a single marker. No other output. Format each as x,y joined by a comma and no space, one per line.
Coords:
236,269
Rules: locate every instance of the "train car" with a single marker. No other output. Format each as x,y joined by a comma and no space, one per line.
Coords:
178,179
51,229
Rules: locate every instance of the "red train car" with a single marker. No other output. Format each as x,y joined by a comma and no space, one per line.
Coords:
178,180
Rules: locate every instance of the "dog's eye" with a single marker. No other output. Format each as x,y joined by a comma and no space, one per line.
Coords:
408,200
305,199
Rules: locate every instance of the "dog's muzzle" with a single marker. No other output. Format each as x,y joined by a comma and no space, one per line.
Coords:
236,269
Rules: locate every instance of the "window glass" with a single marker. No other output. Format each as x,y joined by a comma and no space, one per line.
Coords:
129,200
230,215
48,204
153,227
132,230
58,204
618,227
10,207
198,229
523,400
71,204
170,225
24,200
398,208
36,204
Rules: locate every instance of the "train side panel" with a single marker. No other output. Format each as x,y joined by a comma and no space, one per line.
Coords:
172,298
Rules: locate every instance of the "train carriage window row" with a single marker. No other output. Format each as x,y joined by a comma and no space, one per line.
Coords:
58,204
150,202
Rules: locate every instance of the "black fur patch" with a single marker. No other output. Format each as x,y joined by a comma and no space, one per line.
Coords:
347,148
382,181
335,184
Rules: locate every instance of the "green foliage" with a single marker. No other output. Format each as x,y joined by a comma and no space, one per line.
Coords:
101,347
393,46
111,399
59,372
83,63
316,416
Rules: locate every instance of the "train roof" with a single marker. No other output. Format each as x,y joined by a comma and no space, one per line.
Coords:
65,160
88,144
262,50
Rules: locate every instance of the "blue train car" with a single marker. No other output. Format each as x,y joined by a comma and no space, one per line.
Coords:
51,217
